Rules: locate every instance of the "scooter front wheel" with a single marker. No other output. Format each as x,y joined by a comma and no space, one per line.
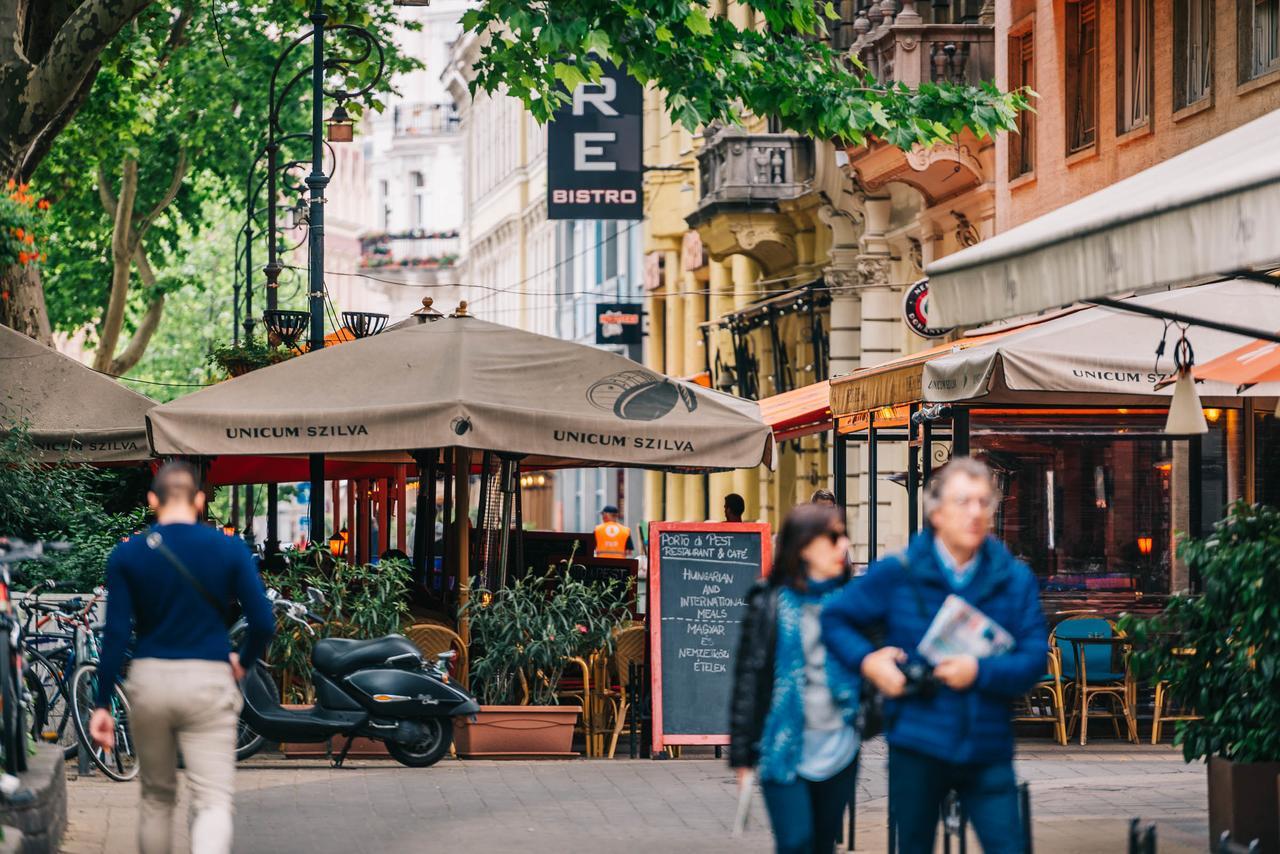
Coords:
429,750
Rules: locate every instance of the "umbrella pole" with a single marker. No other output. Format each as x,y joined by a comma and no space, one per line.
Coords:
402,512
461,535
315,532
508,486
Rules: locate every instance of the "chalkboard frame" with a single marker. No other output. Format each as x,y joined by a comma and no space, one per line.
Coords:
653,604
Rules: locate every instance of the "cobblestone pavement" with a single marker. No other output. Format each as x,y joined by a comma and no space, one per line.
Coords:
1082,801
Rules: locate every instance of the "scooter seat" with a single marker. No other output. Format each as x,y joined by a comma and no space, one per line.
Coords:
338,656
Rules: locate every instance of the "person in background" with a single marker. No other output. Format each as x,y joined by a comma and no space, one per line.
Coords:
173,586
951,733
823,496
793,706
613,539
734,507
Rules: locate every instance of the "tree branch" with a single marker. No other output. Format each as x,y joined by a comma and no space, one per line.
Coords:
177,35
71,57
132,354
40,146
104,191
179,172
122,246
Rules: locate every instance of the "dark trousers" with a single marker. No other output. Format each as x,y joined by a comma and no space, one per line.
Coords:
806,815
988,794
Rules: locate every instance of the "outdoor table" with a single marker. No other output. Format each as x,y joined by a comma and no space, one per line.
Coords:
1077,651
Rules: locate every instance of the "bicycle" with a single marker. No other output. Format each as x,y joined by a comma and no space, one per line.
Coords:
70,671
51,657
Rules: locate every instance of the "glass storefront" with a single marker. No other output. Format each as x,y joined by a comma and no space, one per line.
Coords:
1092,502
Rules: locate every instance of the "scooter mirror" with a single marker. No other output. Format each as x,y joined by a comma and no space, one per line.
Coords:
314,596
273,594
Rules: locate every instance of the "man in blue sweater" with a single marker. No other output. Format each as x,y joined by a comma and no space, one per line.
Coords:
958,736
173,587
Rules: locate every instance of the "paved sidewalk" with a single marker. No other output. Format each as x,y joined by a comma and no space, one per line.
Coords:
1082,802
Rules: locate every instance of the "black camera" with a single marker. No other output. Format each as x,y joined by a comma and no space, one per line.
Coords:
921,683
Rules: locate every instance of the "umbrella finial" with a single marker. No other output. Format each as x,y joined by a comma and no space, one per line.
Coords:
427,312
461,310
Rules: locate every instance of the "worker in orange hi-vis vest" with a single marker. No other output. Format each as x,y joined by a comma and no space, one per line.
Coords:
613,539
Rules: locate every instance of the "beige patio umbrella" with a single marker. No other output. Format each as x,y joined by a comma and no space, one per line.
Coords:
1099,355
71,412
465,383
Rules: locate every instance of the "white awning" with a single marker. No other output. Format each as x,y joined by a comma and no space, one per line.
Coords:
1104,357
1204,214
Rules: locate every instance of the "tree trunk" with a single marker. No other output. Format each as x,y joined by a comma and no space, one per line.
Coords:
22,302
132,354
122,246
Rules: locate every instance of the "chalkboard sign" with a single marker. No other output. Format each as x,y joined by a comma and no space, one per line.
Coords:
699,577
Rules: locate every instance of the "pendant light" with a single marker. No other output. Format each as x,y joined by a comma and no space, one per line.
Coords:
1186,417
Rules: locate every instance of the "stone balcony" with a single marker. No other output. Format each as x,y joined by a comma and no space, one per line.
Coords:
414,255
902,46
747,184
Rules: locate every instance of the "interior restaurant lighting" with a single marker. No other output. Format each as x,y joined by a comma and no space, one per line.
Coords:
1212,415
338,542
229,529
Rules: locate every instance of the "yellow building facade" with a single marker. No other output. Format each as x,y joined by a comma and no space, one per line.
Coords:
775,261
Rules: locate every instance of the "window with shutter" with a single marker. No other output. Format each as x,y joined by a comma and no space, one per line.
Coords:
1022,73
1082,74
1134,32
1192,51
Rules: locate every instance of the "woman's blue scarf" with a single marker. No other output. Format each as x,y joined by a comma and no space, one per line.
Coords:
782,742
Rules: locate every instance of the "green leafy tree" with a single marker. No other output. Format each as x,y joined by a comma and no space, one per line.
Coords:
710,69
174,120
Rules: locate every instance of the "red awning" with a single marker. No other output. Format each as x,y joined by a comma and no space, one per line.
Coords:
799,412
227,470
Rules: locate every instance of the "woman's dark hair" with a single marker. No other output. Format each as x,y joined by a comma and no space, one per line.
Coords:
804,524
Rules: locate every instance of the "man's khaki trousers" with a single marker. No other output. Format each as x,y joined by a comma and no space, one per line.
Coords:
192,706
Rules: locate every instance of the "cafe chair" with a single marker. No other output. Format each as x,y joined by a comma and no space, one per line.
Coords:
575,687
432,639
1047,696
1160,713
1094,673
628,649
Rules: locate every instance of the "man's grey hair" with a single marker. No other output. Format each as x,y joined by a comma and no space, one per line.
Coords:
967,466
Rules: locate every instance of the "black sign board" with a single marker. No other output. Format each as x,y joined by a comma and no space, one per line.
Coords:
594,149
699,577
619,322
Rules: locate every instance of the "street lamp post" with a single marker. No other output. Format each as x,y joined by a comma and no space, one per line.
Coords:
316,182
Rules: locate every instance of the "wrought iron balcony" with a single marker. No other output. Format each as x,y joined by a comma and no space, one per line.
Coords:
742,171
904,46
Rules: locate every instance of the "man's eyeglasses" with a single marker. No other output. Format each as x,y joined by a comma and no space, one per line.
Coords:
987,503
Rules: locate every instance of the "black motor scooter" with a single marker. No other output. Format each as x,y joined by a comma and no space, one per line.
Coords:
381,689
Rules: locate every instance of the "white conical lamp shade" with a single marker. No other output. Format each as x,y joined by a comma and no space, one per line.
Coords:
1186,418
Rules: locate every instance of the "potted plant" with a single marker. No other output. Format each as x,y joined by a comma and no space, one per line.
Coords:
360,601
240,359
523,637
1220,654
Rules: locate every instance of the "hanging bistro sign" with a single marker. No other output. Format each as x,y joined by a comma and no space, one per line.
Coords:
619,323
594,146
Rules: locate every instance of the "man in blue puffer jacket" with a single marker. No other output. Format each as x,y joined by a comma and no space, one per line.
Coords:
959,736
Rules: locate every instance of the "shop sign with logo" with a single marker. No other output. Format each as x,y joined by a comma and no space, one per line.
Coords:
594,147
915,310
619,323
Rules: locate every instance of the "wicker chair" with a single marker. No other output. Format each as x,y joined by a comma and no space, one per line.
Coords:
628,649
1100,671
1047,695
433,639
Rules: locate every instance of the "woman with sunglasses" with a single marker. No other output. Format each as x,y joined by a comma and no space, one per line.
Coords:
793,711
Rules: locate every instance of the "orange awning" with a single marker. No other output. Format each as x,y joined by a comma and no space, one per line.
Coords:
1249,365
799,412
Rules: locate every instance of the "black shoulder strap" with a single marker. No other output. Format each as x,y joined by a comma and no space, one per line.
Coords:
911,582
157,544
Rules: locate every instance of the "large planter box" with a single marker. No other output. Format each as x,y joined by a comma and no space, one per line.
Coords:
517,731
1243,799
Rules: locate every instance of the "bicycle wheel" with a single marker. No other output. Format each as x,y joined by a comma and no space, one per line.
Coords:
54,725
121,762
14,737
